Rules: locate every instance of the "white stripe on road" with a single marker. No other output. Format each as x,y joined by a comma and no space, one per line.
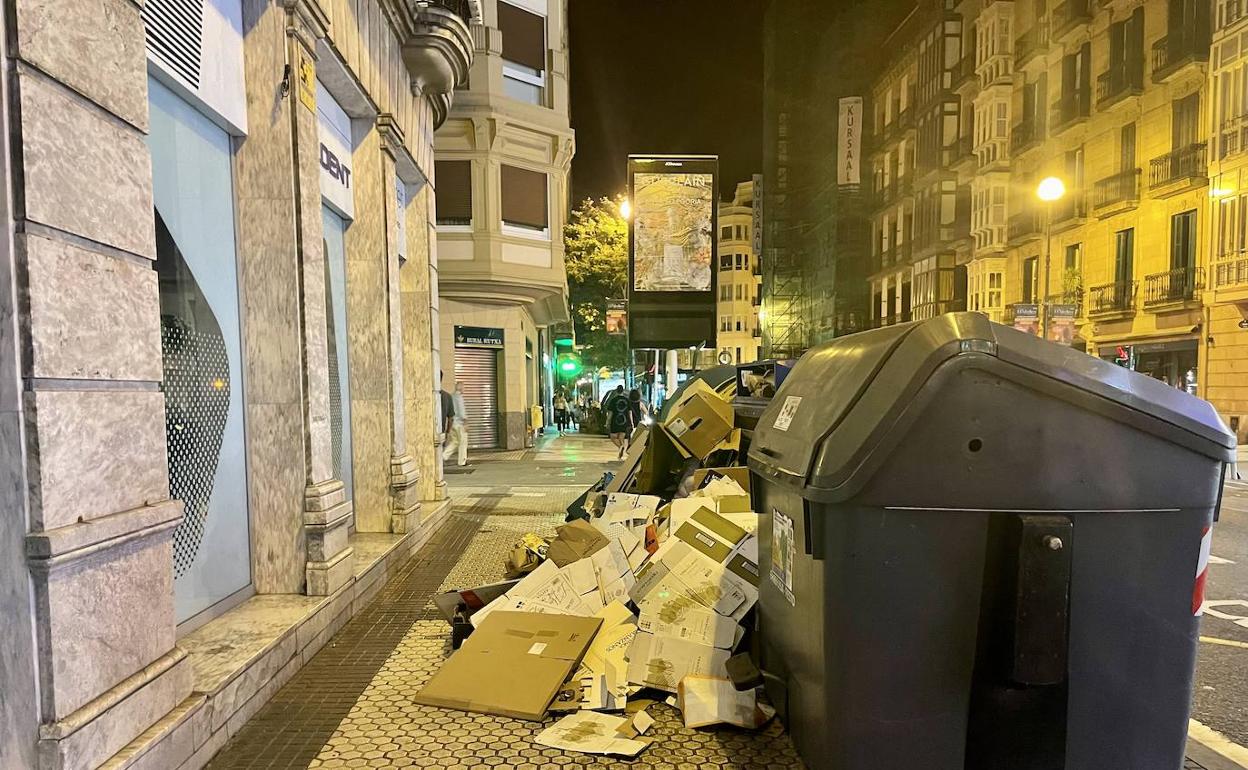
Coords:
1219,560
1224,642
1217,742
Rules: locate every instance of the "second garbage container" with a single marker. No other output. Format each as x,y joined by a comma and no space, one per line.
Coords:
980,550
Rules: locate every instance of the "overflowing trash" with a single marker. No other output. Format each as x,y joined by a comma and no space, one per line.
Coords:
643,597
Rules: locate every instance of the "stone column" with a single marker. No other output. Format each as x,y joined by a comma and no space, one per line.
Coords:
435,344
417,364
404,477
326,508
83,469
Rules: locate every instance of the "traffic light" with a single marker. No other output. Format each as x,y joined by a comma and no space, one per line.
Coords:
569,364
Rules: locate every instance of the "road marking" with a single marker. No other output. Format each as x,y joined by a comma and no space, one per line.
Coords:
1219,560
1217,742
1239,620
1224,642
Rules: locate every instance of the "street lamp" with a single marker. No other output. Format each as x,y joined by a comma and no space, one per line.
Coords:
1050,190
626,209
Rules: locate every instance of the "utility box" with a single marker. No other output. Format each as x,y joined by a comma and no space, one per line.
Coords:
980,550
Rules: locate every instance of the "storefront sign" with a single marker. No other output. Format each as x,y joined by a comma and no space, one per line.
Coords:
617,316
1062,323
756,232
849,146
335,154
478,337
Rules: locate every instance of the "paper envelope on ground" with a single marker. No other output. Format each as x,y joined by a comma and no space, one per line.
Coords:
512,665
591,733
661,662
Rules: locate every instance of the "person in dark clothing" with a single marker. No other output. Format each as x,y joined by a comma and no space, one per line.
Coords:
635,409
619,417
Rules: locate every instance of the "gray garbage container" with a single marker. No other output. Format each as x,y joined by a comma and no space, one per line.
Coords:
981,551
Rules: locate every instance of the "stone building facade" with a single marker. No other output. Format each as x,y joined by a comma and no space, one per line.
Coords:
219,353
740,280
505,152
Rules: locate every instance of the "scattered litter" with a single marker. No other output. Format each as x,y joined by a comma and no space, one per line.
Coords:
590,732
708,700
576,540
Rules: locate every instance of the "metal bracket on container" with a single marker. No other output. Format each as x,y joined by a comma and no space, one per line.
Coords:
1042,600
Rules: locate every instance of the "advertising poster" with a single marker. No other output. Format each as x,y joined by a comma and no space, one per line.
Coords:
1027,318
1062,323
672,228
672,248
617,316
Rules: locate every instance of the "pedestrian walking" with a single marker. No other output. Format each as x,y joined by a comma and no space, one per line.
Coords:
456,429
619,418
636,409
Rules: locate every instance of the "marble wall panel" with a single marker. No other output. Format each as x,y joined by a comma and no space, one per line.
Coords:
368,337
268,274
276,470
107,616
418,345
267,144
370,436
83,172
91,316
394,323
94,46
19,709
96,453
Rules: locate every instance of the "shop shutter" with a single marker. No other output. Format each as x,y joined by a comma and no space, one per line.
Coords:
454,192
175,35
524,36
476,369
524,197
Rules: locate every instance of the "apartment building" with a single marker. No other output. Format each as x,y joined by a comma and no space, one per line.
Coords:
920,224
503,158
740,280
1225,342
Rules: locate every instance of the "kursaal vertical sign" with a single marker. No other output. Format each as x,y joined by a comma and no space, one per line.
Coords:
849,154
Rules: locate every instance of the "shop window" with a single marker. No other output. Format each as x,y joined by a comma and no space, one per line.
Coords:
454,195
201,348
524,199
524,53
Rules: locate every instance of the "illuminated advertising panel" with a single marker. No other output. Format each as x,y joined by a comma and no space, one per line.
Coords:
672,250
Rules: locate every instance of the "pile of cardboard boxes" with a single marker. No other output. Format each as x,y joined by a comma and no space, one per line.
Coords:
644,601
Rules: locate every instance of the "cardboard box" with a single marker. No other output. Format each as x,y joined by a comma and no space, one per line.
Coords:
737,473
700,420
513,665
661,662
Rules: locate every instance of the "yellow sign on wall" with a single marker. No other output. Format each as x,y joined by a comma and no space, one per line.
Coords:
307,83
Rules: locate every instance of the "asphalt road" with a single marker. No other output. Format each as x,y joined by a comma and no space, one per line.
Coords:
1221,694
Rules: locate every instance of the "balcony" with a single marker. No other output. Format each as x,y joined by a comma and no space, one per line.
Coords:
1024,226
964,71
1174,287
1179,170
1072,108
1112,299
1232,137
1118,82
1070,16
1174,52
1032,43
1025,136
438,49
964,154
1117,192
1070,209
1230,276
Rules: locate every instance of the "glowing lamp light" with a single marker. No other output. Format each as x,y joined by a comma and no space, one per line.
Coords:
1050,189
626,208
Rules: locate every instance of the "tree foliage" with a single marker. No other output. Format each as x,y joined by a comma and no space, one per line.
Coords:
596,258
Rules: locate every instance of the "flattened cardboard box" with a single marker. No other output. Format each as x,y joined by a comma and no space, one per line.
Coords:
513,664
700,420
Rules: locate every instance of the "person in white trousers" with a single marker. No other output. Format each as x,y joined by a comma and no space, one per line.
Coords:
457,432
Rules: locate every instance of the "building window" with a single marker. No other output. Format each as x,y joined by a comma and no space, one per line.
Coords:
454,198
1185,126
740,233
725,292
1030,273
740,290
1126,148
1124,255
745,261
524,199
994,290
725,232
725,261
724,324
1074,256
739,323
524,53
1183,241
737,260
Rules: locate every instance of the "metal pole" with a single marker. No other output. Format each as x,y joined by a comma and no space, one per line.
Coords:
1048,253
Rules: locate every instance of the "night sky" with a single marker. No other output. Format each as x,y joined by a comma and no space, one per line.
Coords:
664,76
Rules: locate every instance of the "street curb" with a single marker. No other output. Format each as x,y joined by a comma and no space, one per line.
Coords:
1214,750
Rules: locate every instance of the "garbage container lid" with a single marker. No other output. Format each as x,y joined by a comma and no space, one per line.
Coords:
882,370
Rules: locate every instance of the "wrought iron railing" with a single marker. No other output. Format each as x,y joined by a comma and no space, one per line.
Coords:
1121,187
1070,108
1031,42
1232,136
1184,163
1176,49
1073,205
1025,135
1023,224
461,8
1070,14
1116,297
1178,285
1122,79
